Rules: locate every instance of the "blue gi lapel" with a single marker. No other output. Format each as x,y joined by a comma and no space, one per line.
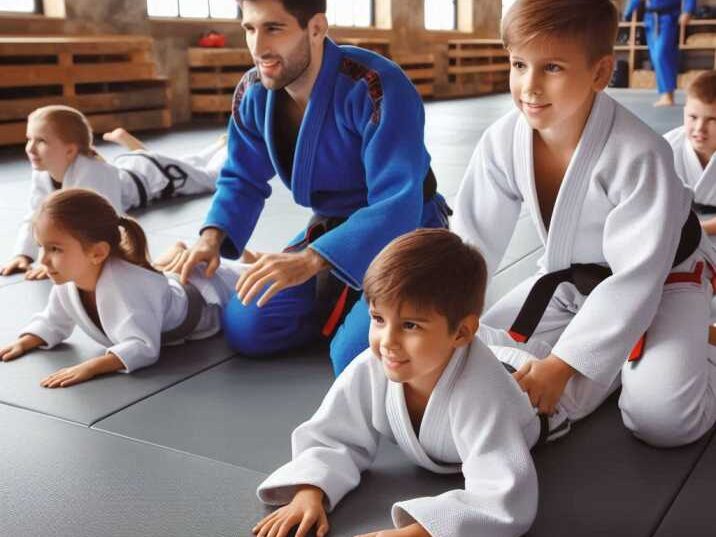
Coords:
304,159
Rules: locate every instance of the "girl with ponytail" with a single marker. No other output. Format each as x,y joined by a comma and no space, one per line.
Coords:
59,148
106,285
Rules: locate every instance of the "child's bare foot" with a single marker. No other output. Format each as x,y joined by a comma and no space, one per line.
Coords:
122,137
173,258
666,99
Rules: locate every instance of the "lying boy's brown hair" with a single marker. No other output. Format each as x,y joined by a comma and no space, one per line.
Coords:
430,269
703,87
594,23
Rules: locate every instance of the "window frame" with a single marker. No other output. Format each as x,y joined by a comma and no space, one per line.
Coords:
38,9
181,17
371,23
455,19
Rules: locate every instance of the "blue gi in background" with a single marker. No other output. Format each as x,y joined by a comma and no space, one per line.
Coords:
661,22
360,156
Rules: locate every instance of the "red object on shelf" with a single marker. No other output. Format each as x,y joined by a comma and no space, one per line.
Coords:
212,40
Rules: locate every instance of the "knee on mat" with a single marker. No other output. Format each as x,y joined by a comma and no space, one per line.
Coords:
244,330
659,424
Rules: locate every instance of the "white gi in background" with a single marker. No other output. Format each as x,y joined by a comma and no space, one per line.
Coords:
119,187
85,172
688,167
136,306
477,421
195,174
620,205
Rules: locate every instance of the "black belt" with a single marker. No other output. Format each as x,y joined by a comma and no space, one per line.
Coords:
175,175
194,308
585,277
141,191
704,209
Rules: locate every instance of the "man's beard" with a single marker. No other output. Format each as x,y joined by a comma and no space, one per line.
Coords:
293,66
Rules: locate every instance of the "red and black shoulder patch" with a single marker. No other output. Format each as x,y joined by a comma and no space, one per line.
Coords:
249,79
357,72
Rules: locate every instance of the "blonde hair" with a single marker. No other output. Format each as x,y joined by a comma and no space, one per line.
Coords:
90,219
594,23
69,124
703,87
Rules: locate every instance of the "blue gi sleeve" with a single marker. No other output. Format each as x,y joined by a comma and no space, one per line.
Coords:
389,116
688,6
631,8
242,187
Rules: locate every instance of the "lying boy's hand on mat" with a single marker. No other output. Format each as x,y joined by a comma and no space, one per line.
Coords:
275,272
20,346
69,376
414,530
206,250
305,511
544,381
37,273
19,263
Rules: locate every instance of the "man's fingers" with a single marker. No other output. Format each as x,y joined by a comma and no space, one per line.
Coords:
522,371
188,266
212,267
270,293
253,285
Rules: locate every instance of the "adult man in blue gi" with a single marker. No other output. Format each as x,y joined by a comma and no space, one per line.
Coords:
661,20
342,127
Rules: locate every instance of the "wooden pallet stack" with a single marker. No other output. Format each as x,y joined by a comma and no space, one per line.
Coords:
213,76
477,66
420,69
111,79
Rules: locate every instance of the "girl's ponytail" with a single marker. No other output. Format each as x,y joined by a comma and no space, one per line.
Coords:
133,246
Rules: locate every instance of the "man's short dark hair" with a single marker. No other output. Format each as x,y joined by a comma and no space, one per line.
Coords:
302,10
431,269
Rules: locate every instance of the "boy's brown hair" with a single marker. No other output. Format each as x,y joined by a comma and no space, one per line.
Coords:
703,87
432,269
592,22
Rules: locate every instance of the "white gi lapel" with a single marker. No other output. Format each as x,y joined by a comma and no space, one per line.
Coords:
83,319
570,198
435,428
524,173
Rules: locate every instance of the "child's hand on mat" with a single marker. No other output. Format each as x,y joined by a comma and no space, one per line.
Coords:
544,381
20,346
273,272
305,511
414,530
37,273
69,376
19,263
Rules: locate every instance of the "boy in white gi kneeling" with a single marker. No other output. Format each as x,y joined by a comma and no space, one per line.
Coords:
429,385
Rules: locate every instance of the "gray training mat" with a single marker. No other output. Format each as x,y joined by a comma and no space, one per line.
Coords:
693,512
90,401
240,412
63,480
601,481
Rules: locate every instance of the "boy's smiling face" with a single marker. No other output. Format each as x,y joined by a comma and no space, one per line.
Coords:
700,125
415,345
553,83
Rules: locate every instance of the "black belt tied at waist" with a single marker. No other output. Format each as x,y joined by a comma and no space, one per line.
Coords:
585,277
175,175
195,306
333,294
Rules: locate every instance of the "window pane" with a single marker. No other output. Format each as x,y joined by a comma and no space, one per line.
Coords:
440,14
506,5
355,13
223,9
22,6
194,8
163,8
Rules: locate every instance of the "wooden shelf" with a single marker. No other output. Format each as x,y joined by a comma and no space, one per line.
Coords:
645,79
477,66
111,79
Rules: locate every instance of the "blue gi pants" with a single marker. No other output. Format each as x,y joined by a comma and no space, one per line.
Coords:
662,36
292,318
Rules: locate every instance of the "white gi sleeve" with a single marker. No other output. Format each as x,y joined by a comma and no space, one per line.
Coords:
488,202
332,448
54,324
